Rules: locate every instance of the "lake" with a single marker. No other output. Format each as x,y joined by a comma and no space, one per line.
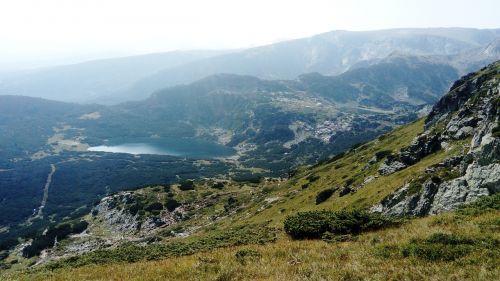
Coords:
183,147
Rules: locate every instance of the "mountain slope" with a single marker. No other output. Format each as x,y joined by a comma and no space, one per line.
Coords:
243,128
93,81
434,165
135,78
330,53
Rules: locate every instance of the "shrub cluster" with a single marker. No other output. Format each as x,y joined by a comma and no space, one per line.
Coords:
240,235
315,224
47,240
171,204
324,195
186,185
382,154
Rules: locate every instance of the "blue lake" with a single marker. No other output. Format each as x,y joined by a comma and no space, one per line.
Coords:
184,147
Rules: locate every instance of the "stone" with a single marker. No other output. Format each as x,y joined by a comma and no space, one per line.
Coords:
390,166
368,179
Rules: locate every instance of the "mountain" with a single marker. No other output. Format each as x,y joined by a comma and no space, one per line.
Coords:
239,128
471,60
97,80
246,112
309,225
332,53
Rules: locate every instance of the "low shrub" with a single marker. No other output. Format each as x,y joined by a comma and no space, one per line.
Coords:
240,235
231,204
247,177
385,251
171,204
47,240
314,224
324,195
156,206
218,185
382,154
186,185
313,178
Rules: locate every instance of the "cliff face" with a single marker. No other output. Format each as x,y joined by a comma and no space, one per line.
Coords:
468,114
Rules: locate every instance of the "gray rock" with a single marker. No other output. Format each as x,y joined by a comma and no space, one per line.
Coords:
373,160
368,179
422,146
401,203
390,166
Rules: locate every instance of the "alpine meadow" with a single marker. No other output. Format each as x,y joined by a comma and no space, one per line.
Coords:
152,140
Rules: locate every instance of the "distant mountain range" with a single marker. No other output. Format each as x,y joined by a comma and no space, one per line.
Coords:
332,53
271,126
93,80
326,114
366,205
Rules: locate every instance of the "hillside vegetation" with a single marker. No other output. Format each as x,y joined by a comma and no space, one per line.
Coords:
419,203
456,246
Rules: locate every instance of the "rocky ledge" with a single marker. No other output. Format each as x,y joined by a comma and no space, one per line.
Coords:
468,114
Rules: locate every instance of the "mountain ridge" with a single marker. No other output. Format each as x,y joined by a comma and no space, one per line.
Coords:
450,167
330,53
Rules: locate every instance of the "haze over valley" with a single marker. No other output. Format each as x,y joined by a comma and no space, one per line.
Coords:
370,153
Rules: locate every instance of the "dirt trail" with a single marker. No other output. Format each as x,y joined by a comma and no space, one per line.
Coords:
46,191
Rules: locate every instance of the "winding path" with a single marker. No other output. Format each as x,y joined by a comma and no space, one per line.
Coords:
46,191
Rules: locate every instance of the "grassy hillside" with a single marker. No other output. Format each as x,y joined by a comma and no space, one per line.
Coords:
456,246
228,232
325,222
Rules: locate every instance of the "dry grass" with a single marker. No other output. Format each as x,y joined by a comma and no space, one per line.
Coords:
314,259
309,260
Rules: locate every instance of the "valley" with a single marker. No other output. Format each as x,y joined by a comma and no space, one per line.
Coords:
307,226
364,154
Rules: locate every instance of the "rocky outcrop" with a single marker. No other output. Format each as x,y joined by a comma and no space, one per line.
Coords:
112,213
390,166
469,110
422,146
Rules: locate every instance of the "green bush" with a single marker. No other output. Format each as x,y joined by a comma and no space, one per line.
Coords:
382,154
80,226
324,195
247,177
218,185
47,240
313,178
171,204
186,185
231,204
314,224
156,206
134,208
239,235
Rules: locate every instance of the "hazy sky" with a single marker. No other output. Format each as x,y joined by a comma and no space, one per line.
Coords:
57,29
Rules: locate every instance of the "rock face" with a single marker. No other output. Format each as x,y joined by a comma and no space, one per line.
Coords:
470,111
122,221
390,166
